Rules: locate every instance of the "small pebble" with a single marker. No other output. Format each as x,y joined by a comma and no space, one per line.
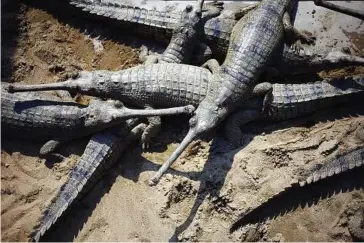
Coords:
346,50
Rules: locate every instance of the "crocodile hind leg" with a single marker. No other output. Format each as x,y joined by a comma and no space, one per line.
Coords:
341,9
265,89
233,133
152,129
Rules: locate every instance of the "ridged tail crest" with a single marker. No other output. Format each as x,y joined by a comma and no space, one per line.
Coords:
337,166
128,13
103,150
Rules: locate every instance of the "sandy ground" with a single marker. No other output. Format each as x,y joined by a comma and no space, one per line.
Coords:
204,193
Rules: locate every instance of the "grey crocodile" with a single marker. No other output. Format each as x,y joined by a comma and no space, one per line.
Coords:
216,35
165,85
152,86
30,116
254,40
185,35
156,85
103,150
329,168
291,101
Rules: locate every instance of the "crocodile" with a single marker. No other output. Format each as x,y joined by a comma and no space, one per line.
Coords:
185,35
216,35
172,88
291,101
254,40
331,167
30,116
103,150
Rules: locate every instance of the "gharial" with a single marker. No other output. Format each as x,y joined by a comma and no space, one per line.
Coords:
102,151
254,40
83,174
192,89
105,147
186,34
41,117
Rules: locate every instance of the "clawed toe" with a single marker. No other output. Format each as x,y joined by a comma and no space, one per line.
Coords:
309,39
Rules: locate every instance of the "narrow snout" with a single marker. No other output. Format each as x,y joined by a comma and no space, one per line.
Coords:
125,113
66,85
191,135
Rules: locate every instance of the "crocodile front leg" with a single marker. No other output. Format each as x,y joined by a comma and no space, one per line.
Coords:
341,9
152,129
243,11
233,133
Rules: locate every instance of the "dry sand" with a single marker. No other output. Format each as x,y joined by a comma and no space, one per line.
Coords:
204,193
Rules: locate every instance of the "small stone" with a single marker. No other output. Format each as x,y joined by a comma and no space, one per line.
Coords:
7,165
346,50
313,11
277,237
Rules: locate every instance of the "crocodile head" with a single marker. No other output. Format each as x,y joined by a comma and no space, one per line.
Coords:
186,29
207,116
95,83
101,113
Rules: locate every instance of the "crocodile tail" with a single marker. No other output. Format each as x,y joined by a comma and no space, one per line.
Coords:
341,164
103,150
349,161
128,13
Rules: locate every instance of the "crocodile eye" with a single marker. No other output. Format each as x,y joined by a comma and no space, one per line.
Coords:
193,122
184,31
118,104
189,7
